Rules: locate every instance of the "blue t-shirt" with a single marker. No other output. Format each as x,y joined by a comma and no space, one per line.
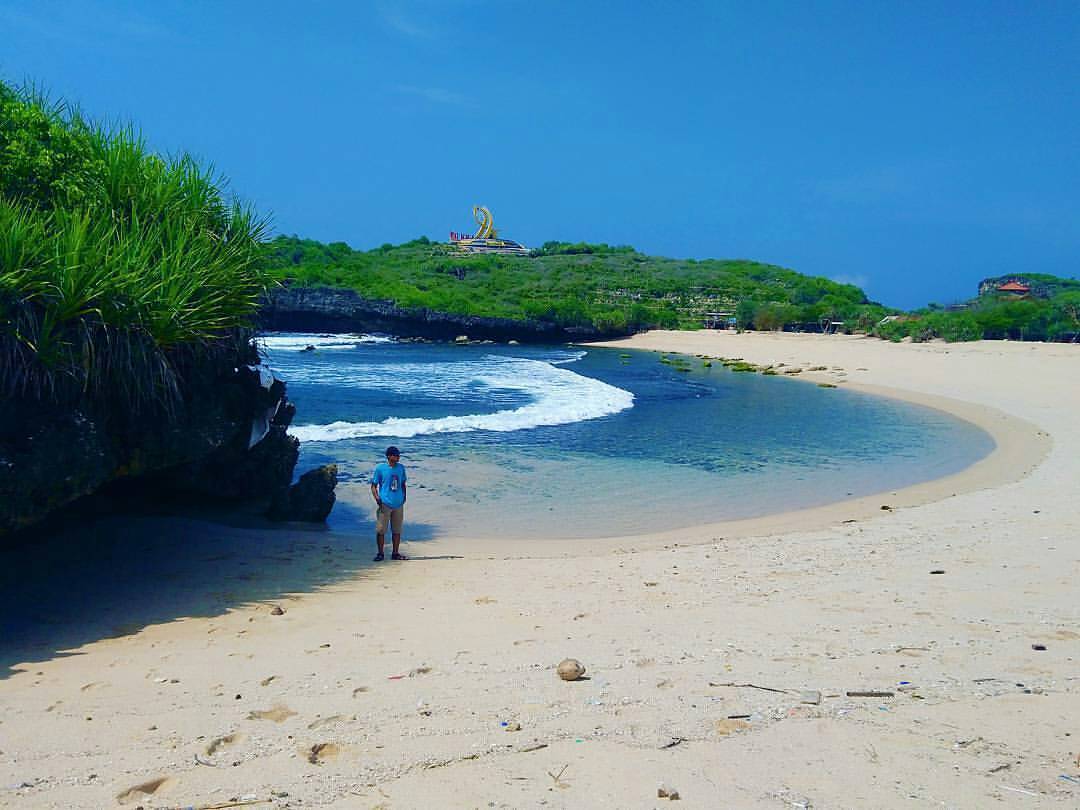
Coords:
391,483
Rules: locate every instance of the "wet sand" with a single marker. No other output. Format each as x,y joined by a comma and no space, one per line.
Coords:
403,685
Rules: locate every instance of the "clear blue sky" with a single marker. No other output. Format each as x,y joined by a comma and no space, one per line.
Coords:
911,148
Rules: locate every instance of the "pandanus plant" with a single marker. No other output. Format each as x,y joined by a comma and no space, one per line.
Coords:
119,271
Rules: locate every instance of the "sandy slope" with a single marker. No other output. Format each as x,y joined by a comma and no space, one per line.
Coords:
834,599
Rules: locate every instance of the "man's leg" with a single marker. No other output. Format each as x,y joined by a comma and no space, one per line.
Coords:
397,517
380,531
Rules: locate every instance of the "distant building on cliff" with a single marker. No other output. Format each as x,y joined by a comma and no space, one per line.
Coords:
486,239
1013,287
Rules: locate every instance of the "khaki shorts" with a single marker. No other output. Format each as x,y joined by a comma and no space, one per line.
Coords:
395,517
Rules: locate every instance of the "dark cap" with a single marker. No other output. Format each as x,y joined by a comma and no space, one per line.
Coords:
392,451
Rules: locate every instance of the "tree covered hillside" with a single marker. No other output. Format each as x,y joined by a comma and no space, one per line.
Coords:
1049,310
614,289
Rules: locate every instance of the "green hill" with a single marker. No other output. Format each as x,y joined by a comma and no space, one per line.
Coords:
613,289
1049,310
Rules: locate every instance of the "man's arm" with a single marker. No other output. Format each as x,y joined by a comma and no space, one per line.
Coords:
404,493
375,480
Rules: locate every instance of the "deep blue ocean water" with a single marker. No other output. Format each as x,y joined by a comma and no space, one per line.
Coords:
525,441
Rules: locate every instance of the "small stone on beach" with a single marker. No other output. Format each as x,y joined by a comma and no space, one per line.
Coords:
665,791
570,669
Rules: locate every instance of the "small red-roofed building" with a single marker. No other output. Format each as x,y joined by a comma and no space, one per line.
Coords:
1014,288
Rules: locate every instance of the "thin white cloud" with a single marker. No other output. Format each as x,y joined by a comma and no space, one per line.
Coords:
874,185
71,23
859,280
436,95
395,16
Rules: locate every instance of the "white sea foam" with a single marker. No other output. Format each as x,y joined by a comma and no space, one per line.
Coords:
298,341
559,396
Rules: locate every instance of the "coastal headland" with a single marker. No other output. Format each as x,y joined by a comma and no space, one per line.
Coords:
915,648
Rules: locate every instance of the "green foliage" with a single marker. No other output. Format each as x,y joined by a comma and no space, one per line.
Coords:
997,316
117,266
613,289
46,151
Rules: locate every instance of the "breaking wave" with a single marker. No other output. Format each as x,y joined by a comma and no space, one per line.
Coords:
557,396
298,341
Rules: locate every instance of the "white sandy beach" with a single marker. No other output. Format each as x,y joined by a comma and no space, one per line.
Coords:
402,686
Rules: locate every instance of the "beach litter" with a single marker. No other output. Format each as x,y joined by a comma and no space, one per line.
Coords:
1038,647
557,778
870,694
810,696
243,801
750,686
1019,790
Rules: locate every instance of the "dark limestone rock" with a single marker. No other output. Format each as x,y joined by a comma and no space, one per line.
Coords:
236,470
309,499
224,440
297,308
37,475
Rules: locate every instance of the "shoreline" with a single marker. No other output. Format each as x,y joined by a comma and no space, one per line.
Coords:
730,669
1020,447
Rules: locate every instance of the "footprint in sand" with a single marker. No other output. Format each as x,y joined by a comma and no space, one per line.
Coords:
224,742
731,725
321,752
278,714
267,681
150,788
325,721
359,690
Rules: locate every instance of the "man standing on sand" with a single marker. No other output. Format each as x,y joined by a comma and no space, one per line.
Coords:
388,490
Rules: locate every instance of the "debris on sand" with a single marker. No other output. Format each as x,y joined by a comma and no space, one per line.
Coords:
666,791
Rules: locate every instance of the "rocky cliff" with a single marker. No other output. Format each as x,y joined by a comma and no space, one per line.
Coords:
224,440
295,308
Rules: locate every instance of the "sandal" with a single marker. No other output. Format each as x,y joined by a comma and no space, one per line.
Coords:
378,557
398,557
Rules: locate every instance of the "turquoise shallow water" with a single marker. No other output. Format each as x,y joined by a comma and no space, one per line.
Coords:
581,442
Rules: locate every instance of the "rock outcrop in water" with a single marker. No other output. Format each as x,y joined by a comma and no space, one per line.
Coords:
296,308
226,440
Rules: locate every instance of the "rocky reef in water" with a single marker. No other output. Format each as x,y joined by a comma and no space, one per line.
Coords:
298,308
226,440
